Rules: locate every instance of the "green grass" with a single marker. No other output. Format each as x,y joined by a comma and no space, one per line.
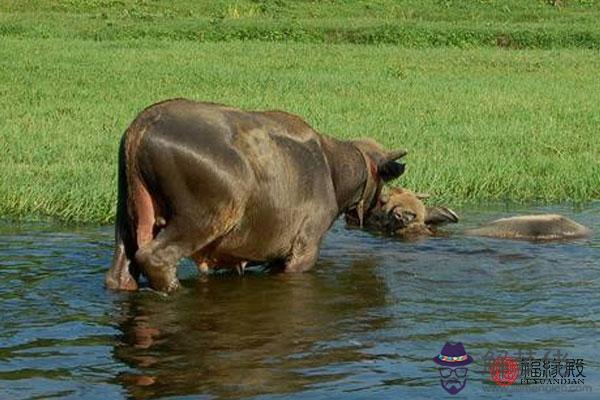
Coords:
410,23
481,122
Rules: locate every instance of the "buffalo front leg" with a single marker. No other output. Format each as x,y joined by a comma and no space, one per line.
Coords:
304,256
302,262
306,246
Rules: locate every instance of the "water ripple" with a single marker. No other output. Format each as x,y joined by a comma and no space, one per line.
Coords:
364,323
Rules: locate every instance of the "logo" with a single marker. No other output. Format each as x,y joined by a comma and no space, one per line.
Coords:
453,361
552,371
504,371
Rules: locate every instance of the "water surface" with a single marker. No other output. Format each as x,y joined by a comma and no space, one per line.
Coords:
364,323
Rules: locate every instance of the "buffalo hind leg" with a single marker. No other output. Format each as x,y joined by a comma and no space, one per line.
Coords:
123,273
119,276
158,259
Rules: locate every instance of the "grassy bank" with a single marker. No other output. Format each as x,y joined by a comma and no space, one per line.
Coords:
495,99
481,124
410,23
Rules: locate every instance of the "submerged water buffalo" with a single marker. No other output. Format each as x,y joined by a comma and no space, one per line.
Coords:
401,213
228,187
532,227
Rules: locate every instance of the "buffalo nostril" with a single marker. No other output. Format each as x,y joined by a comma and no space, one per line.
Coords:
405,217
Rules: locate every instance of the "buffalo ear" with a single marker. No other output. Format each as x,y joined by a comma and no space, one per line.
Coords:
384,197
390,170
396,154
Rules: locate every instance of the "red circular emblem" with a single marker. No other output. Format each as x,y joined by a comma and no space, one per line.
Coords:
504,371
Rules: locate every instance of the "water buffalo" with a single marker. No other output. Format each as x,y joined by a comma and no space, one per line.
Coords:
532,227
228,187
402,213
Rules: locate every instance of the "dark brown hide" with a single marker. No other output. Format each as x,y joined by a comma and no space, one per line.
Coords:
229,187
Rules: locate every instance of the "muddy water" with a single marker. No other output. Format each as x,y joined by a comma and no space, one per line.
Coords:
365,323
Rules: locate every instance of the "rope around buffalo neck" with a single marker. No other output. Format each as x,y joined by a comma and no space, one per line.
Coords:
372,182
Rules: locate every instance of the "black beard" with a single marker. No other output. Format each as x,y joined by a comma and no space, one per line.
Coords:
453,386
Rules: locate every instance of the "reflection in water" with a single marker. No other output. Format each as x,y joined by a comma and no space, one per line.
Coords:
240,337
364,323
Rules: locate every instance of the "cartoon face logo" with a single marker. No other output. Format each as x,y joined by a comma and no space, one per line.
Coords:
452,362
453,380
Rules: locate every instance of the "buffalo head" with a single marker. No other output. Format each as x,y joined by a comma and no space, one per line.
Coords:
401,212
382,166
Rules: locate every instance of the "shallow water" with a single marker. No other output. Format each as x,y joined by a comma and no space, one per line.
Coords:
364,323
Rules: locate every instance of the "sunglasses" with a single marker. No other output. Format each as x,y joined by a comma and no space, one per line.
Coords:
459,372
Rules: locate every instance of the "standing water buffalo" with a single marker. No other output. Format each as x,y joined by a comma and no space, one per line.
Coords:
228,187
401,213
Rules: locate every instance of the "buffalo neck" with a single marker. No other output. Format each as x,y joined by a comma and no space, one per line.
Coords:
348,171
